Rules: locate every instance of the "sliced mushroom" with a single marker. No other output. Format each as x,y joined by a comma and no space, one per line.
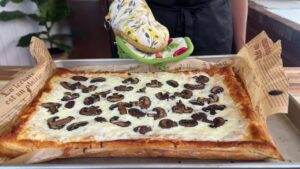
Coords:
54,123
122,110
91,99
115,120
201,79
70,104
90,111
185,94
125,104
217,122
188,122
212,98
104,93
68,86
123,88
78,85
201,117
98,79
162,96
121,107
136,112
89,89
51,106
194,86
142,129
172,83
160,113
181,108
141,90
154,83
199,101
172,97
216,90
79,78
144,102
74,126
115,97
212,108
215,106
167,123
131,80
275,92
100,119
69,96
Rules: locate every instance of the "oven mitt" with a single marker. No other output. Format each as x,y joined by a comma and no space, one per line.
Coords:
133,21
176,50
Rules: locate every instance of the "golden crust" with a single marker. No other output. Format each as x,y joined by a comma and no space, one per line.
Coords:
243,150
259,147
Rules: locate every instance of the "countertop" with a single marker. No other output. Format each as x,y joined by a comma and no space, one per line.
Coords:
7,73
286,12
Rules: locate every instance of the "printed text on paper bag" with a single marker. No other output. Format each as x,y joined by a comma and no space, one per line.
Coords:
19,88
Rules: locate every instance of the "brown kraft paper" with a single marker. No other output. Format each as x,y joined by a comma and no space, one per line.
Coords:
258,65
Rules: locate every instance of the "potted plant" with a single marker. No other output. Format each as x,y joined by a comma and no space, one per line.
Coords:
49,13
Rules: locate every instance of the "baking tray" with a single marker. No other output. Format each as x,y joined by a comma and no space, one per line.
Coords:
284,128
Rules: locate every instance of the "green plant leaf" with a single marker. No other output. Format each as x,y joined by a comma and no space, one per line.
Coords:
4,2
39,2
34,17
16,1
24,41
53,10
11,15
61,36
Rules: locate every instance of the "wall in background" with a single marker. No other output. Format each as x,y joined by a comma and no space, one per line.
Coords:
10,32
261,18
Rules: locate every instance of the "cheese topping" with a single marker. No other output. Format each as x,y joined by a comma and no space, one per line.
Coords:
135,19
36,127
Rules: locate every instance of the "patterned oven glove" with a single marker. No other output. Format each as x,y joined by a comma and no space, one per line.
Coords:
133,21
141,37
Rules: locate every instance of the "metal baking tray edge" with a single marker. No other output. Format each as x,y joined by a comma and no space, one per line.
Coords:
284,128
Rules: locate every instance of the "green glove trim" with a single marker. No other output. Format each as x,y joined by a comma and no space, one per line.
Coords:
125,52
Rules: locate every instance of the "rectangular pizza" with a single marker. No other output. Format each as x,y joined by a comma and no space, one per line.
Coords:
203,114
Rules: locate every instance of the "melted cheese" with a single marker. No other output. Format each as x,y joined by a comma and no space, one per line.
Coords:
36,127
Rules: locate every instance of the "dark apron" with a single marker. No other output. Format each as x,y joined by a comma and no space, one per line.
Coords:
207,22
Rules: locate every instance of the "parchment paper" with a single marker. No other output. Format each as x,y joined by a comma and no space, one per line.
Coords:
20,91
258,65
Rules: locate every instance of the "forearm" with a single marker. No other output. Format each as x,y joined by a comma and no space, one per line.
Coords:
239,17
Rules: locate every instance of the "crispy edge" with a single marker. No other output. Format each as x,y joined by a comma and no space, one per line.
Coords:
257,130
151,148
260,148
